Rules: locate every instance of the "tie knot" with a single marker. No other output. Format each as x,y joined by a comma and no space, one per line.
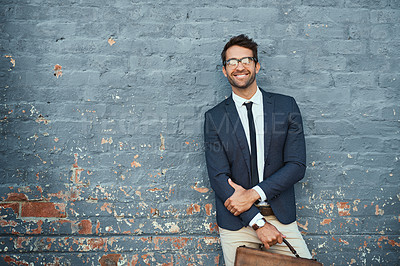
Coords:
248,105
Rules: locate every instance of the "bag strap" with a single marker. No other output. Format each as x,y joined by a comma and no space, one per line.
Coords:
291,248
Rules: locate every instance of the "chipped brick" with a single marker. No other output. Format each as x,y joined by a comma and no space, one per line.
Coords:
13,206
201,190
208,208
85,227
110,260
326,221
43,209
16,197
343,208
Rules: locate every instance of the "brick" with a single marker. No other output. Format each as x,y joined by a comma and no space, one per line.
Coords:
315,143
385,48
21,193
334,127
334,63
85,227
322,3
207,13
282,63
16,197
323,31
373,119
358,32
298,46
13,206
327,14
389,80
359,63
390,113
367,4
384,31
385,16
370,96
363,143
324,79
346,47
355,80
43,209
393,4
110,259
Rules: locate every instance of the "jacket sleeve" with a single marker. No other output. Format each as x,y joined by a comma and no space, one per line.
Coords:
294,158
218,166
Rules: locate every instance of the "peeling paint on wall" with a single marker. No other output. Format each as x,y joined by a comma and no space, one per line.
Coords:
111,41
135,163
200,189
162,146
110,260
12,61
58,71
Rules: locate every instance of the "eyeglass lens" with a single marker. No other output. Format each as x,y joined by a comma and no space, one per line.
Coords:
235,62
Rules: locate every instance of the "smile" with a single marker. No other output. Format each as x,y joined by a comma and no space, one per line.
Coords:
241,75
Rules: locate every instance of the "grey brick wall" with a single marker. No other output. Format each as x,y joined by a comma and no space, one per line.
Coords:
104,164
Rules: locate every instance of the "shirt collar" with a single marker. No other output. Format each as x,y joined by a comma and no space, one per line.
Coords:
256,99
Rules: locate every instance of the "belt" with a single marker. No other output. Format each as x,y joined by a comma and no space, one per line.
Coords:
266,210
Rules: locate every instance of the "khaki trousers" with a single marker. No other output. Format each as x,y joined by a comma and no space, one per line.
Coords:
230,240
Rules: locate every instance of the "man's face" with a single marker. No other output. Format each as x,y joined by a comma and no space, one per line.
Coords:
241,76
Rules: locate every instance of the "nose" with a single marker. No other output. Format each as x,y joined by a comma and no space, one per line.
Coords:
240,65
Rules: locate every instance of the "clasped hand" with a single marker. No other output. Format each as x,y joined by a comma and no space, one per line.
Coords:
241,200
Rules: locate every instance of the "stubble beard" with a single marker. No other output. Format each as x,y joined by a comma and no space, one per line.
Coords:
250,81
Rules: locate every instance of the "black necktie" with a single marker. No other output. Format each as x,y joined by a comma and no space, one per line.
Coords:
253,153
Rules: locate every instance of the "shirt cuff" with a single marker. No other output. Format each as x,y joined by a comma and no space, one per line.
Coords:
260,193
255,219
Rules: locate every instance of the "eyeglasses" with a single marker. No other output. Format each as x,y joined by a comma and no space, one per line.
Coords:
235,62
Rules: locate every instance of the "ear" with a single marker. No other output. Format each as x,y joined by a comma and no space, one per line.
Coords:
224,71
258,67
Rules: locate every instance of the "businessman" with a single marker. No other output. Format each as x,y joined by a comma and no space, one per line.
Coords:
255,153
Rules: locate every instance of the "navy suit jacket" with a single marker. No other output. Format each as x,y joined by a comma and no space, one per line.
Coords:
228,156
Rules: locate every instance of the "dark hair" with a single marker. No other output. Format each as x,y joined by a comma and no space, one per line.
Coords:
242,41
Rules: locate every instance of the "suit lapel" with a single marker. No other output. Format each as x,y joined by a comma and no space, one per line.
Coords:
238,130
268,106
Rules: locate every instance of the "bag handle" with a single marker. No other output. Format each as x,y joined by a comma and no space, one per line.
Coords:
291,248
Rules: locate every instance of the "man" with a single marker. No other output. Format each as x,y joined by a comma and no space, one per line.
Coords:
255,153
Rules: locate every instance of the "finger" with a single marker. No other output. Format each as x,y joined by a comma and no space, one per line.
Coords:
279,239
266,245
227,203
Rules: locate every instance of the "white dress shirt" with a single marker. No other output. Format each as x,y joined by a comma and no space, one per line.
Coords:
258,114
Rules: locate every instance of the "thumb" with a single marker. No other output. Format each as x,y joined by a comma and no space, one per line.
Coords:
233,184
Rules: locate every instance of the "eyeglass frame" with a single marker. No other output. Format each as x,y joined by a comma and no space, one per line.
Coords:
240,60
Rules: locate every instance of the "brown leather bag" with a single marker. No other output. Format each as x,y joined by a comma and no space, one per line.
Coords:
256,257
